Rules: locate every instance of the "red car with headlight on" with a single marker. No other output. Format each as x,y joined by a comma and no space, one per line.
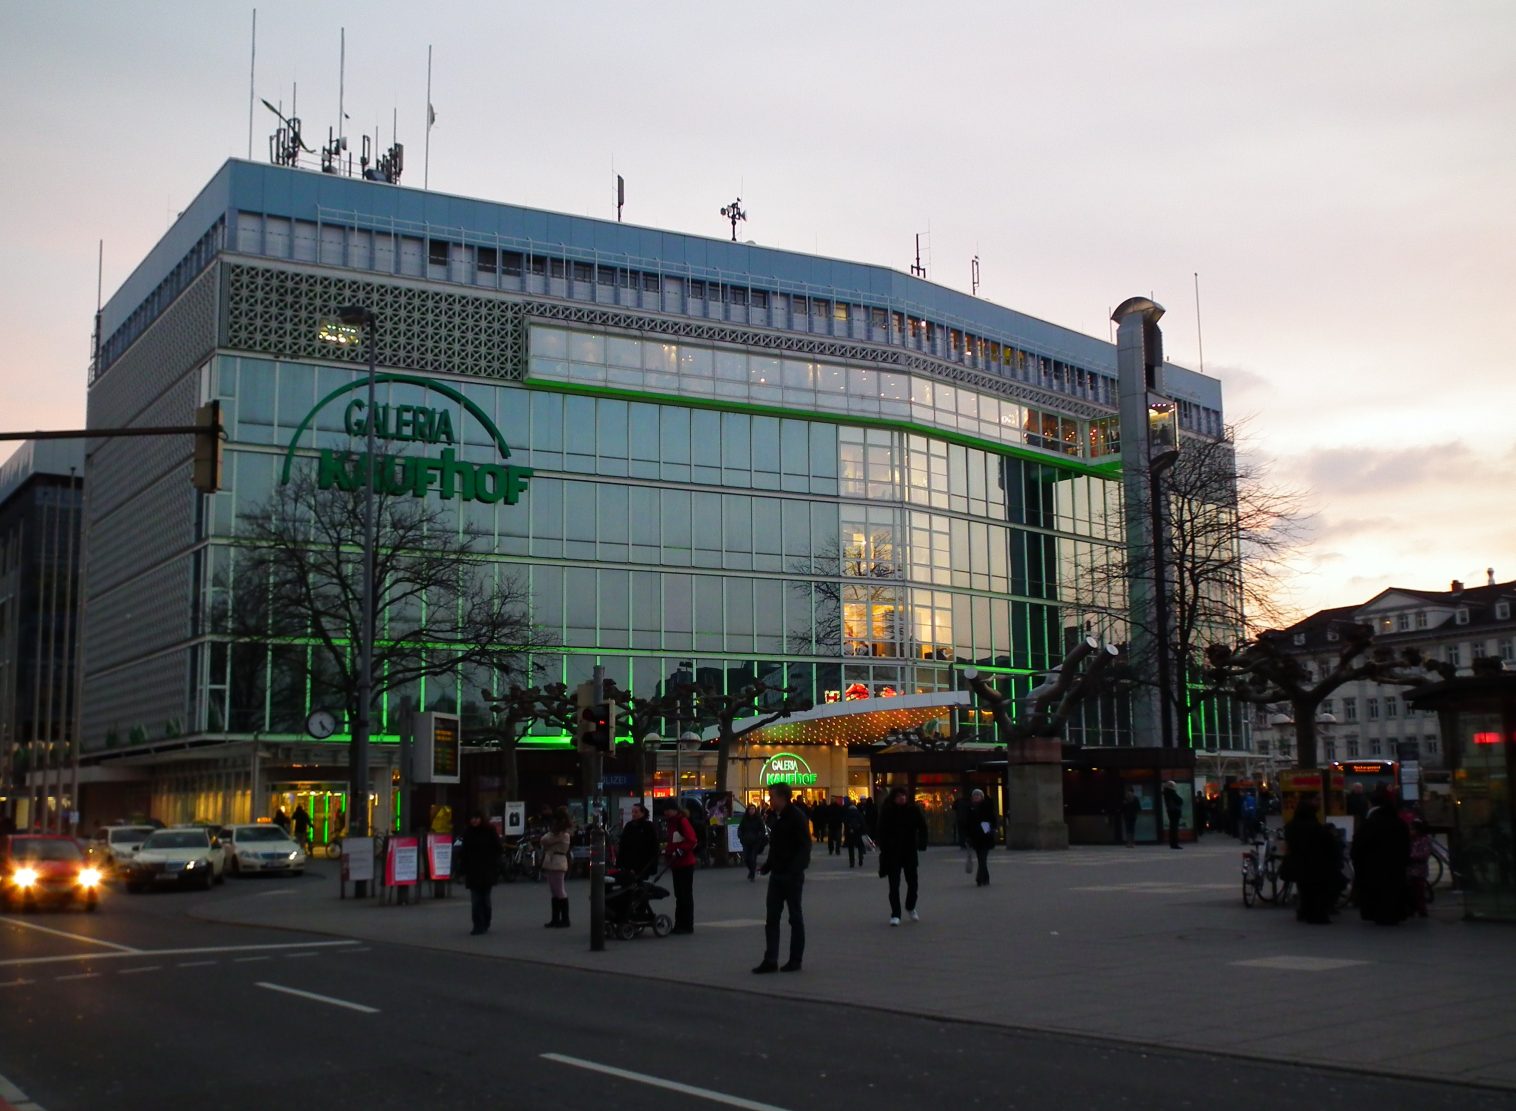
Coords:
36,868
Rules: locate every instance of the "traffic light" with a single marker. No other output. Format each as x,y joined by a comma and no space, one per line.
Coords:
206,475
598,728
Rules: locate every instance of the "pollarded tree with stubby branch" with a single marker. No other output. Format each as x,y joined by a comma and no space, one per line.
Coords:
1265,672
443,606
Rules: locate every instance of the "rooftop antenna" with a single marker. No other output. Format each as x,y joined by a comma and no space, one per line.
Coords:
974,278
733,212
916,268
620,196
252,72
431,118
285,144
1199,337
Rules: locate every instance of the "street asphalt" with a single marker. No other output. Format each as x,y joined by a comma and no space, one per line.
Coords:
1146,946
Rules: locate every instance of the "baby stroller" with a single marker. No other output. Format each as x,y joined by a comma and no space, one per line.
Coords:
628,909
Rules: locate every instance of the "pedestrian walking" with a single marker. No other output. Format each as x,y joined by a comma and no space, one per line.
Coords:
1173,809
1249,816
902,834
637,850
834,828
680,849
1381,853
789,855
1311,864
1131,808
282,820
960,821
480,864
982,824
555,846
753,836
854,833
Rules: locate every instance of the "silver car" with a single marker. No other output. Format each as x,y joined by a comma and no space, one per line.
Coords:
261,848
111,848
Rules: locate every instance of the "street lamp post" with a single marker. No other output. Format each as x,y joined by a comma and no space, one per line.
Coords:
356,316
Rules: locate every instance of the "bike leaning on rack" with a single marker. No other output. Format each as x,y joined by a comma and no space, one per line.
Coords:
521,860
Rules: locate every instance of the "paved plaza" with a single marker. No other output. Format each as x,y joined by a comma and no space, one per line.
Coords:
1145,945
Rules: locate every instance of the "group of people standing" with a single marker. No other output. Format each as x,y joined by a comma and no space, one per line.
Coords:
1389,851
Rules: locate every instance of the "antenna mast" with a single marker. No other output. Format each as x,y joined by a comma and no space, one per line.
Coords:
1199,336
916,267
974,278
733,212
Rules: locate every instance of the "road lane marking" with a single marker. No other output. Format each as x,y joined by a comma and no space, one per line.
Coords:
144,968
320,998
79,976
64,933
660,1082
297,956
16,983
1299,964
195,964
14,1098
245,960
175,952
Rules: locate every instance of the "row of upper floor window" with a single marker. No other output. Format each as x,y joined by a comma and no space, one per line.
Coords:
694,369
265,401
536,269
1461,653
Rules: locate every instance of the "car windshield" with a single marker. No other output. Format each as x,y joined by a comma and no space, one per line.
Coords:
130,833
176,839
258,833
28,849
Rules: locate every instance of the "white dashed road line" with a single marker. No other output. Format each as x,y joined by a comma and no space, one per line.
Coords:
134,971
660,1082
320,998
64,933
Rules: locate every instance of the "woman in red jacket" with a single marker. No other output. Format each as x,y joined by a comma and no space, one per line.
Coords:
680,851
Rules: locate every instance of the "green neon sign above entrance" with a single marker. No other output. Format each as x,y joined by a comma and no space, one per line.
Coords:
786,767
414,475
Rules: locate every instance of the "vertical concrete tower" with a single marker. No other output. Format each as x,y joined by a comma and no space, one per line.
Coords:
1149,446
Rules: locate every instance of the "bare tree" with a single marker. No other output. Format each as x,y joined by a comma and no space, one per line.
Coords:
757,704
1045,709
442,605
1230,531
1264,671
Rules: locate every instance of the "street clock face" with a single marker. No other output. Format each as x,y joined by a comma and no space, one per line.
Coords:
321,724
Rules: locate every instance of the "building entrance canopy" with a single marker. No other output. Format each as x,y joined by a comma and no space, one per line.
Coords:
860,721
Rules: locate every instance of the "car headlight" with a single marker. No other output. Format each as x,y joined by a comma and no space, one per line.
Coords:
89,877
25,877
295,855
195,863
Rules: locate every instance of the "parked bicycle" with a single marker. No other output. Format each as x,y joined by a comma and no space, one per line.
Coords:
521,860
1260,869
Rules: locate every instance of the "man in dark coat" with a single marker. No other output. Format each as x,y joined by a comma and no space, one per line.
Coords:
1381,851
980,831
834,827
902,834
753,835
637,852
789,855
479,857
1173,810
1311,864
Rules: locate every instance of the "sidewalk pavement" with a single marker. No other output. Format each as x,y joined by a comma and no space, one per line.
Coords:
1145,946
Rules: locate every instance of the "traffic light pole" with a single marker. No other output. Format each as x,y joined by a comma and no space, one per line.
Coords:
597,831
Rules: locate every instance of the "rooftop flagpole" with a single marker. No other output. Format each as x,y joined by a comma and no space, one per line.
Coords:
431,117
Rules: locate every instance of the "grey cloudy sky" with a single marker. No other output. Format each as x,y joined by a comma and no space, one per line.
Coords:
1341,176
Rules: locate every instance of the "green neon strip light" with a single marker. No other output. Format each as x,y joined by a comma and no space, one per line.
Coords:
1003,670
1062,463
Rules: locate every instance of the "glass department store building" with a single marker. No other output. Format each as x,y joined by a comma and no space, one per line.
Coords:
745,462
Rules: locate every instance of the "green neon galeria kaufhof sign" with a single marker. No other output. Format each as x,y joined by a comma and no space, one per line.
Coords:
419,447
786,767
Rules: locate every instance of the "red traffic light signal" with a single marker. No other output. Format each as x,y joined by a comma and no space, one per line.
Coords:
597,726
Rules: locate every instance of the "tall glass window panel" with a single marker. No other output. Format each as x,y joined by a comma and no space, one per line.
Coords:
709,622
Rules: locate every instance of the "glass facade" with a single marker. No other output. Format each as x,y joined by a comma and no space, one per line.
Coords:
660,537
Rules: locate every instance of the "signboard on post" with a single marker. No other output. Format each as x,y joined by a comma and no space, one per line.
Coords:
515,819
439,855
402,864
439,748
358,860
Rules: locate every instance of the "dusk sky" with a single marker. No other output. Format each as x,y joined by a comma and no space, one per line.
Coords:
1341,176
